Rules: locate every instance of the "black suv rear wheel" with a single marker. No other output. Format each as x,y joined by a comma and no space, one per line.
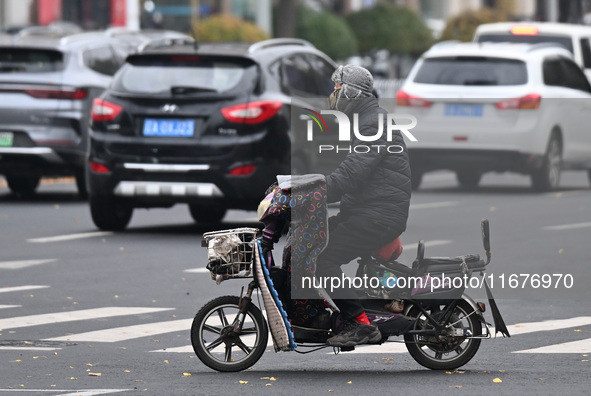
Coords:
109,214
209,214
23,185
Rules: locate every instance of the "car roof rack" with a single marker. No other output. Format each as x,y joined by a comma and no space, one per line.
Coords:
166,42
278,42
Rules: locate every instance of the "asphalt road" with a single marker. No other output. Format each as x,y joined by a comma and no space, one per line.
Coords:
84,312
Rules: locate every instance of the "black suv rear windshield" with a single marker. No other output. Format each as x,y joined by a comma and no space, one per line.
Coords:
472,71
30,60
183,74
565,41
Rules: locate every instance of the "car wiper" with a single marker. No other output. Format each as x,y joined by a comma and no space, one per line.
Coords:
480,82
181,90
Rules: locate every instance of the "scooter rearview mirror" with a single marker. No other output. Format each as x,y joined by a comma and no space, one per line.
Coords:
485,234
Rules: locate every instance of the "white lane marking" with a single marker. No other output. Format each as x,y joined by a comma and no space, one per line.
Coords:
182,349
24,349
547,325
429,177
92,392
23,263
197,270
516,329
128,332
71,392
580,346
86,314
427,244
433,205
10,306
189,348
21,288
70,237
563,227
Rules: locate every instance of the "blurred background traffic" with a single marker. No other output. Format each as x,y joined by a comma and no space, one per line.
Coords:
124,97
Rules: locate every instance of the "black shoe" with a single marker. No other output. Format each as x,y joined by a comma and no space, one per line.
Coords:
354,333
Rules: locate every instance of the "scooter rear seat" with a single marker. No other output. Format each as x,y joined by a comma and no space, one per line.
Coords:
451,264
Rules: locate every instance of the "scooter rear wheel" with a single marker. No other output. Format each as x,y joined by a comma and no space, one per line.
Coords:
216,343
445,352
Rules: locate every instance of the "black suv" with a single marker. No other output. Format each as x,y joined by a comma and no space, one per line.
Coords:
207,125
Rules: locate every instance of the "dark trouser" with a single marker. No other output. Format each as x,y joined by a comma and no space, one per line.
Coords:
348,239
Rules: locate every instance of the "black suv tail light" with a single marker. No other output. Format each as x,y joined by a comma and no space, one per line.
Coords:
104,111
253,112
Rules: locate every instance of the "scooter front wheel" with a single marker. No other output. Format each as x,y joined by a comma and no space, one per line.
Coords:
450,350
217,344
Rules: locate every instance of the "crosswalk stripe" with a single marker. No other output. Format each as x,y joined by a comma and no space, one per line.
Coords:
10,348
197,270
60,317
520,328
23,263
71,392
128,332
580,346
547,325
21,288
70,237
93,392
189,348
563,227
9,306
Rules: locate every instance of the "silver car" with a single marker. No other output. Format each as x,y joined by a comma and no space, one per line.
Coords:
47,86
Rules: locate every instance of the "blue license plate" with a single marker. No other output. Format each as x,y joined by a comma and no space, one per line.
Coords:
169,128
463,110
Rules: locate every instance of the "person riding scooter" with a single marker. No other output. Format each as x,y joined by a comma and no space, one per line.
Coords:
374,189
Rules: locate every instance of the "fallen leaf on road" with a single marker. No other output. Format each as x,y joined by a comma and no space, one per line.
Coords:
187,374
126,371
95,374
243,382
272,379
166,361
497,380
73,378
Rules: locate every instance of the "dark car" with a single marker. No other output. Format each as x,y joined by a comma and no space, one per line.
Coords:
47,85
207,125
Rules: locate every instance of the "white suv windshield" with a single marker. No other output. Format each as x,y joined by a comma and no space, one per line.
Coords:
472,71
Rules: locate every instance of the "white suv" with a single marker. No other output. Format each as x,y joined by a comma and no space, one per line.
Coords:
498,107
575,38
